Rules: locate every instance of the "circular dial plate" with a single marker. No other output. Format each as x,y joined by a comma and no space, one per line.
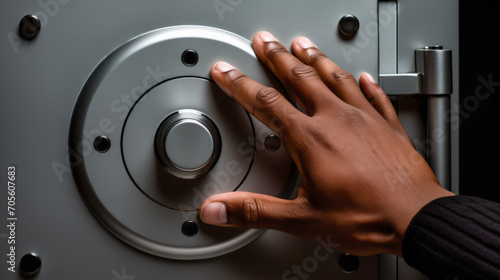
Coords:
196,94
147,214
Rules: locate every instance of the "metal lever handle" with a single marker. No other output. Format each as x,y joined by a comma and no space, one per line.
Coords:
433,78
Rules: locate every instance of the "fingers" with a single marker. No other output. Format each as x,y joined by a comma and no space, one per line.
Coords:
267,104
301,81
253,210
310,78
381,102
339,81
378,99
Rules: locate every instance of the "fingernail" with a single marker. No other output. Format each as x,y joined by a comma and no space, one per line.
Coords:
370,78
305,43
223,67
215,213
267,37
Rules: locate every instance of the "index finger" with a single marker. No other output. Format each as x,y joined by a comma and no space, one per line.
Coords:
266,103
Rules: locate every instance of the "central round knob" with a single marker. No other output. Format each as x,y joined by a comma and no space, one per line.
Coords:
189,144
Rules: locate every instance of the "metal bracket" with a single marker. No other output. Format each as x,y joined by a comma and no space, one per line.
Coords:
433,75
433,78
401,84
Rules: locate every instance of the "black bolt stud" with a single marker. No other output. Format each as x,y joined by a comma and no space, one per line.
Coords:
30,264
272,143
102,144
348,263
189,58
348,26
189,228
29,27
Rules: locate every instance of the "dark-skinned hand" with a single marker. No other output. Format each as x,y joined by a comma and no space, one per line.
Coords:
362,179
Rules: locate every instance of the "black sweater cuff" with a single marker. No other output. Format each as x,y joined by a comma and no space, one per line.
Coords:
456,236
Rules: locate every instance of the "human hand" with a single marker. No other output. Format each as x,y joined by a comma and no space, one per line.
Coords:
362,179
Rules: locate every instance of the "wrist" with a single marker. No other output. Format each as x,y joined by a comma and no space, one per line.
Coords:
407,209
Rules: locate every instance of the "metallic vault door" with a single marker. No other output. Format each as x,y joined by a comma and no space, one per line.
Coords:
44,77
419,69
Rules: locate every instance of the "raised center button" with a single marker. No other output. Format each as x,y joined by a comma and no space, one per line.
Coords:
189,145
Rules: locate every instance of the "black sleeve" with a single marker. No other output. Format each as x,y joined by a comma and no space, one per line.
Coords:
455,237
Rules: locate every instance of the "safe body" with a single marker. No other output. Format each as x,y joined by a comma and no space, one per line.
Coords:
45,79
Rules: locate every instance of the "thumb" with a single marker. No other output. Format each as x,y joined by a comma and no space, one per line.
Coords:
253,210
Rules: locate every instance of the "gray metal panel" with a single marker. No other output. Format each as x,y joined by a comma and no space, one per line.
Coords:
42,79
388,30
422,23
41,82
